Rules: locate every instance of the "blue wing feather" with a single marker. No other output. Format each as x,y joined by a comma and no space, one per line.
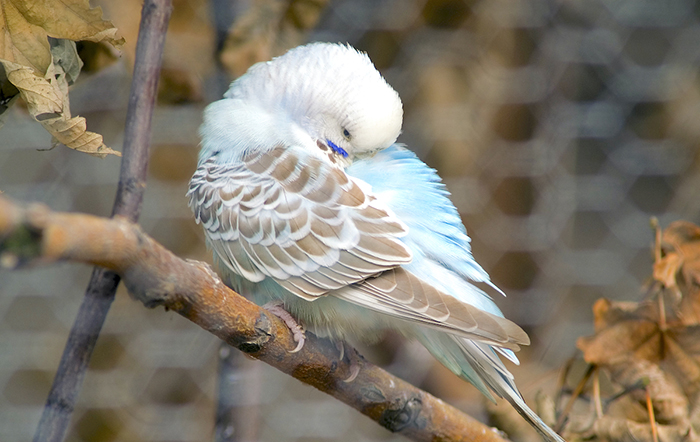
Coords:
436,237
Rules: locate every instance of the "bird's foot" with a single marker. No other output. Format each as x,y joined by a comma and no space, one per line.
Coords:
353,358
277,309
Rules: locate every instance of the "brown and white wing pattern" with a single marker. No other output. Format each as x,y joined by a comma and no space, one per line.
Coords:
313,229
400,293
290,216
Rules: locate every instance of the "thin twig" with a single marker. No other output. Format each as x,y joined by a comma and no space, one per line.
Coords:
132,183
662,312
144,86
641,383
652,418
596,395
657,238
577,392
156,277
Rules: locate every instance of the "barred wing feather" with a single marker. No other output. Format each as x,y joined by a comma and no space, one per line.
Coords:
291,217
316,231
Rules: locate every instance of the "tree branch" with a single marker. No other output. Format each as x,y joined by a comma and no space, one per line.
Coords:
156,277
132,184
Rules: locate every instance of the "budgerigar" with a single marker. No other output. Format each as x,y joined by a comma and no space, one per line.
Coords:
307,202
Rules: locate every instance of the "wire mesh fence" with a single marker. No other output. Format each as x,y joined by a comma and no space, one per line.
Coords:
560,128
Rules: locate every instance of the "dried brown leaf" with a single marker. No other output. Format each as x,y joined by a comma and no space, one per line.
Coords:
688,310
74,134
628,408
682,355
648,350
626,334
46,100
623,430
618,343
679,269
607,313
623,330
681,232
40,69
666,269
681,244
691,264
43,97
22,42
26,24
667,397
688,338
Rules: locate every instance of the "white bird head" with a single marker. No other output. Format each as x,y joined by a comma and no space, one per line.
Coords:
318,95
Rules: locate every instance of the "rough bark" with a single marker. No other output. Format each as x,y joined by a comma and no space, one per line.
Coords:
156,277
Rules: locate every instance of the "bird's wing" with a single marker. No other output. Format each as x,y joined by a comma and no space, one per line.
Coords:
315,230
400,293
437,229
442,259
289,216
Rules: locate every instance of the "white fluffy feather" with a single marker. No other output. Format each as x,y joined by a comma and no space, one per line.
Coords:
304,200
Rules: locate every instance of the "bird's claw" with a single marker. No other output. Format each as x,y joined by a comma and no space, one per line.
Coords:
341,349
354,371
277,309
300,339
353,359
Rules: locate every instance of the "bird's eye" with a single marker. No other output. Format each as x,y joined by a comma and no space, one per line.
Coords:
346,134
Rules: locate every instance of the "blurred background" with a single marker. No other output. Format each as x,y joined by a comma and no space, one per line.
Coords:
560,128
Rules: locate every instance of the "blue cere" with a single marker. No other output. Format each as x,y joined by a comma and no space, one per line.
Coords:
337,149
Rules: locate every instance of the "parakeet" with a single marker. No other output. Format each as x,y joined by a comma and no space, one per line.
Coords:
307,202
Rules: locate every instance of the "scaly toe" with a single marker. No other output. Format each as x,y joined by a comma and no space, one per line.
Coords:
277,309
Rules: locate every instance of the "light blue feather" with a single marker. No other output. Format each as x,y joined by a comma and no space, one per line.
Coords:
436,235
442,257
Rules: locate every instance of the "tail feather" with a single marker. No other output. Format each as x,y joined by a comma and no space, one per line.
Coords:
479,364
